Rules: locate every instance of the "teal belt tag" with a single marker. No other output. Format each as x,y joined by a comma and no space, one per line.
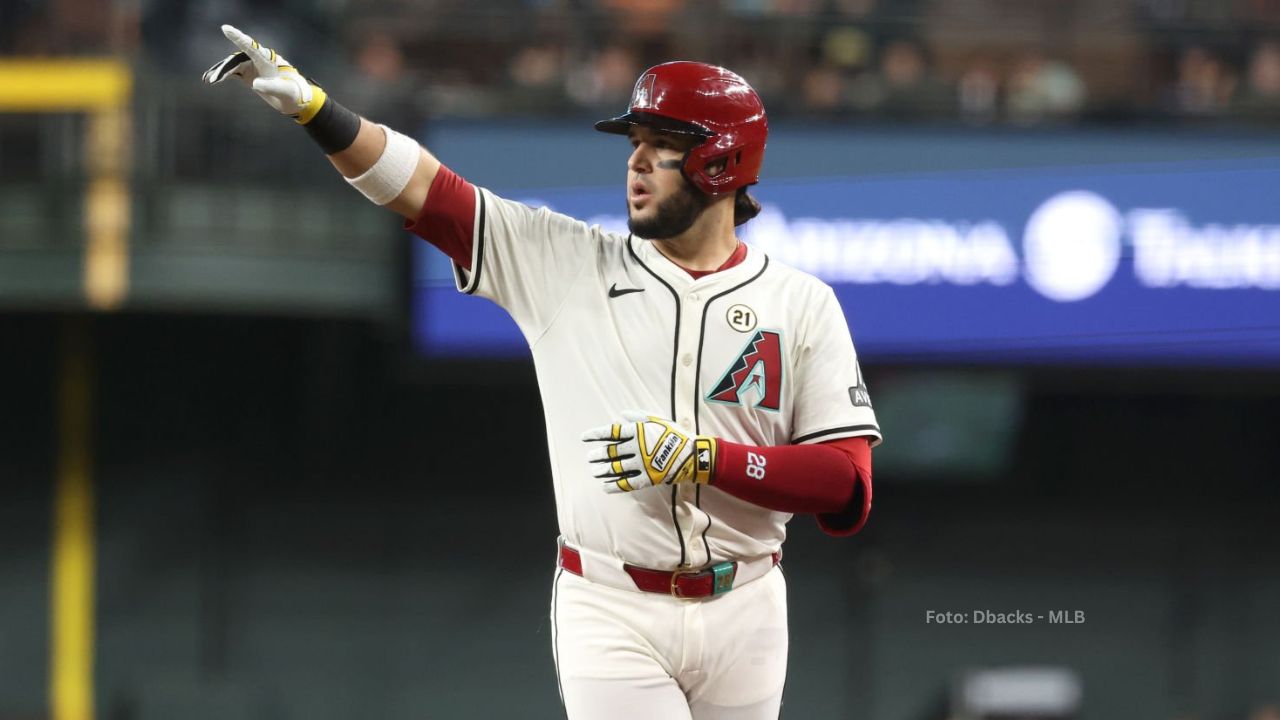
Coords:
724,573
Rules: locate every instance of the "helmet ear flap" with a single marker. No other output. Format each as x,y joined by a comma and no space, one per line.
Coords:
711,171
731,161
717,166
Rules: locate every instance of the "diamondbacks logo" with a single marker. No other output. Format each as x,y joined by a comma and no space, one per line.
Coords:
757,370
642,96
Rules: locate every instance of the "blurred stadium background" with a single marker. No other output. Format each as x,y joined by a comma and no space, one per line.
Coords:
247,468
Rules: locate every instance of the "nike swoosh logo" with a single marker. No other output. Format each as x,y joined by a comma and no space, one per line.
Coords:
615,292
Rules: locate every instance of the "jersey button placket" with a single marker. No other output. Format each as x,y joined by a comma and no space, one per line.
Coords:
686,399
686,373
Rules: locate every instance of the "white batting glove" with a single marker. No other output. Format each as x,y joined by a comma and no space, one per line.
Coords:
270,75
646,451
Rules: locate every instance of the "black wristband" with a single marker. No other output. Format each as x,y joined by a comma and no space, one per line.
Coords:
334,128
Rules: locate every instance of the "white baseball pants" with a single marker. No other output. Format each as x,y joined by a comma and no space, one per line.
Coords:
624,655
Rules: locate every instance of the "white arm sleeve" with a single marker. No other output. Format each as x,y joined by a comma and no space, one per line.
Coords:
832,401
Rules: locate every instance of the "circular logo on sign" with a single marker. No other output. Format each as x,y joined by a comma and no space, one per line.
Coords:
1072,245
741,318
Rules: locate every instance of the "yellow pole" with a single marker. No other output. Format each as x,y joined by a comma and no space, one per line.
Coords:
102,88
106,249
63,85
106,200
72,577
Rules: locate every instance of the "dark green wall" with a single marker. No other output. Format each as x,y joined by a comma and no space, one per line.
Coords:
297,520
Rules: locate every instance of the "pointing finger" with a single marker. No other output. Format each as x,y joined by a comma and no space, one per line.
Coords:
242,42
263,58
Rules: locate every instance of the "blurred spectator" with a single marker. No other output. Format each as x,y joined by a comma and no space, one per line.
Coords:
766,75
1183,13
748,7
978,91
848,48
606,78
910,87
1204,86
185,36
825,57
537,75
383,89
842,56
854,8
64,27
1261,97
903,85
643,17
822,90
799,8
1264,71
794,8
1262,11
1041,89
380,59
1265,712
538,66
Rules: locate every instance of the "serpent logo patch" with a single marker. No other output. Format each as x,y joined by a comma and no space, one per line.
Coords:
756,374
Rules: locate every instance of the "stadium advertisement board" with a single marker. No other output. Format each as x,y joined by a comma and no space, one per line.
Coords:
1158,263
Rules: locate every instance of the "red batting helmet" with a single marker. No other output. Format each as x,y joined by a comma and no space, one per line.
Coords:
709,102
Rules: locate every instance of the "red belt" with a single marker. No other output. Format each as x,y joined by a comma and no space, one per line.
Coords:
714,580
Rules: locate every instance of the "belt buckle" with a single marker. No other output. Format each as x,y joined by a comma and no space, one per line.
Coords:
675,589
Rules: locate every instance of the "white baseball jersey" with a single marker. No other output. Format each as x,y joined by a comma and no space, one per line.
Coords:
758,353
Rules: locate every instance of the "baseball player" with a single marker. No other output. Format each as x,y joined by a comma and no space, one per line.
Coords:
697,394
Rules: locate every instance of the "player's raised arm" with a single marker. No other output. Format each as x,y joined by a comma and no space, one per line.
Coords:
389,168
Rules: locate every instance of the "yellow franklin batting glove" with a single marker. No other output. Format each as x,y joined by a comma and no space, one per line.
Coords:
646,451
270,75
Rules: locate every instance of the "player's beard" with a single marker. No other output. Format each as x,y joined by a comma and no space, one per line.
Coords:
672,216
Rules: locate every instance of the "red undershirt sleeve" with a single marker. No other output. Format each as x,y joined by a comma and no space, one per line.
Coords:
448,217
831,480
